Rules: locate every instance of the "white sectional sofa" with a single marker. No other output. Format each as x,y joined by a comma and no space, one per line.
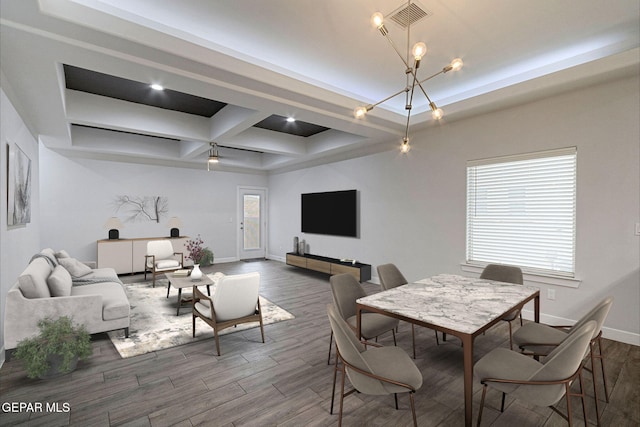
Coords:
54,285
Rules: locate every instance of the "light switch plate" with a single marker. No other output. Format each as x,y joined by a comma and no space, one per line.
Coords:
637,228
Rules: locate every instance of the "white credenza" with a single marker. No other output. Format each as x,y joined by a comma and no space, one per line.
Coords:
126,256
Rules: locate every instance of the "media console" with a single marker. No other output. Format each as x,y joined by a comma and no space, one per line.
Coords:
323,264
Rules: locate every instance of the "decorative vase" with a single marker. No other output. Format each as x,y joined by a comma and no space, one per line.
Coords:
295,245
301,247
196,274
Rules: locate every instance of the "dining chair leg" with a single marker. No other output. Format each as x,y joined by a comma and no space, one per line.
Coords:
567,394
330,342
584,407
604,376
502,401
484,392
333,390
395,397
413,409
510,337
413,339
341,396
394,337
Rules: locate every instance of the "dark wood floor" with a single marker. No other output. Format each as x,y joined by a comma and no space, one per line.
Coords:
285,381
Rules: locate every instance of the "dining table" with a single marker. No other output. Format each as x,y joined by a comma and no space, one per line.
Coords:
461,306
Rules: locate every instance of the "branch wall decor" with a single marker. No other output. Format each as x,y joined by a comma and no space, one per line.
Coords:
142,208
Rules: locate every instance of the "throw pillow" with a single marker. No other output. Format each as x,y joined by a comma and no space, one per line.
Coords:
59,282
62,254
75,267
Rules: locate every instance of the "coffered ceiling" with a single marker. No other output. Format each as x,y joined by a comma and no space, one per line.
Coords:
79,72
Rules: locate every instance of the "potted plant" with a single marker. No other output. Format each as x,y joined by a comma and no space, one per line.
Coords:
56,350
198,253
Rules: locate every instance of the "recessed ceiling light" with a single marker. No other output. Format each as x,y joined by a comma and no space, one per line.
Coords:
156,86
290,119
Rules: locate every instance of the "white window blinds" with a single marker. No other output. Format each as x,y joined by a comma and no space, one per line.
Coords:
521,211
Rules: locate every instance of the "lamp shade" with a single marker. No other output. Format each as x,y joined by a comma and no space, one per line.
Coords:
114,224
174,224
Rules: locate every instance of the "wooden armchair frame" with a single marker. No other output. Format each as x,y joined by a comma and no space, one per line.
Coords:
220,325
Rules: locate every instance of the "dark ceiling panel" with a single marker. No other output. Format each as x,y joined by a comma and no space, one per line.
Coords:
128,90
280,124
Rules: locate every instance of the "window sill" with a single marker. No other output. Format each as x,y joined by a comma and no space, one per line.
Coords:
547,279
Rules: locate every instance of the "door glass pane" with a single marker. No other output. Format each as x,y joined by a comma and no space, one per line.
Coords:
251,207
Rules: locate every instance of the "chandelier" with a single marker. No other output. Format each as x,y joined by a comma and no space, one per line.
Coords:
412,63
213,155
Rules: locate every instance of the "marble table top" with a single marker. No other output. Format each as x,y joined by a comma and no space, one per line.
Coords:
459,303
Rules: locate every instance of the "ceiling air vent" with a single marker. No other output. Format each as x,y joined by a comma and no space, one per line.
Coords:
408,15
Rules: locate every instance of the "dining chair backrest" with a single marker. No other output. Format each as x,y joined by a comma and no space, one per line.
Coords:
563,362
346,290
390,276
351,349
236,296
598,314
502,273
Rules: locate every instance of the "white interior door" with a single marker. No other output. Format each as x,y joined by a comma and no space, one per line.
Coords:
252,222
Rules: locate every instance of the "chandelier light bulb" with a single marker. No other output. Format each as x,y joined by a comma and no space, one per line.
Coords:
405,147
437,113
360,112
418,51
456,64
377,19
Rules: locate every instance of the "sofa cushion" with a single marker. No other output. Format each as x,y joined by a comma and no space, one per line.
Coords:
115,304
33,280
75,267
102,273
59,282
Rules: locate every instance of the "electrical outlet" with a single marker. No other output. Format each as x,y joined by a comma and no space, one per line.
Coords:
551,294
637,228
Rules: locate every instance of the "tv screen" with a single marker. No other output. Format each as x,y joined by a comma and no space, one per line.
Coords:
333,213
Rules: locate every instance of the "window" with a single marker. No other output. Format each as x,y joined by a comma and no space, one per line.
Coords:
521,210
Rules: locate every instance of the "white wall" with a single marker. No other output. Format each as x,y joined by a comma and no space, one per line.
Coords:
17,243
77,199
413,207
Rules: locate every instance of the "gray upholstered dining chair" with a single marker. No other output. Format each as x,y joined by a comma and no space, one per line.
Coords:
161,258
371,369
541,384
236,300
538,340
391,277
346,290
508,274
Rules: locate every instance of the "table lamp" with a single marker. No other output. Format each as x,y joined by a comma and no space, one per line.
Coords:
174,224
114,225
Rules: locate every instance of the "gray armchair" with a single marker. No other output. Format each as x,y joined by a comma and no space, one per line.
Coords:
346,290
371,370
541,384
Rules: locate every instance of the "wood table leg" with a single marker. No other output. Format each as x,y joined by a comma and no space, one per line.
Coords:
179,301
467,347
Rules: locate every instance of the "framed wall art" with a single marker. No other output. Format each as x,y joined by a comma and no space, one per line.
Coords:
19,186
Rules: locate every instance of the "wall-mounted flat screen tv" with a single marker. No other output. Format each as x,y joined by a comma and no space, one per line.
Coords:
334,213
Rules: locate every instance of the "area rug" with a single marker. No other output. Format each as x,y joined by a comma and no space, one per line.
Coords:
155,325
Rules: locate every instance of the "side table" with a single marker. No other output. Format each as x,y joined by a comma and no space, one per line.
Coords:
180,282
